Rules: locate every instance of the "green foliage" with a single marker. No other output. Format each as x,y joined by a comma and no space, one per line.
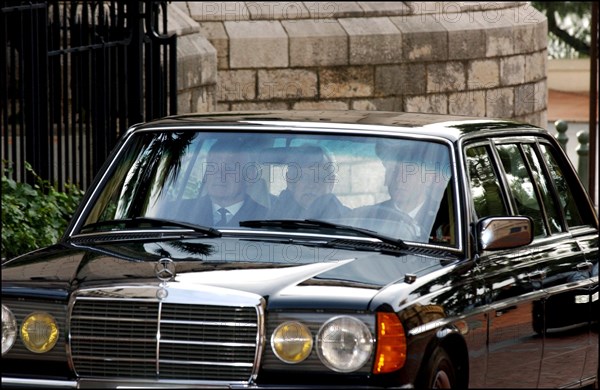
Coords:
569,27
34,216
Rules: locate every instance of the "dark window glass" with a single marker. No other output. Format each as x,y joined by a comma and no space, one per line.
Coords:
522,189
485,187
544,184
567,200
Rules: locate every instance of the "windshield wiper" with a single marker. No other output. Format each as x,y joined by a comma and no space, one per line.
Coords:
128,223
319,225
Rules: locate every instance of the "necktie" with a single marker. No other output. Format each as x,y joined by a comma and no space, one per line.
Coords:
223,220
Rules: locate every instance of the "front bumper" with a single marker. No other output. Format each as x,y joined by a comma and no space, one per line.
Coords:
20,383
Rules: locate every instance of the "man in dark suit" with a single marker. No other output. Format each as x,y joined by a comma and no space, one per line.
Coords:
310,179
416,177
226,202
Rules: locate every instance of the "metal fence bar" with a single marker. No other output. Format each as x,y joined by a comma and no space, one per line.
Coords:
593,113
74,81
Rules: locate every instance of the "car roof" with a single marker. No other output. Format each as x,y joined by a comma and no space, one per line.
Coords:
451,127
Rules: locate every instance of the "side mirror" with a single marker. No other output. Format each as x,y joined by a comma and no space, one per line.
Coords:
504,232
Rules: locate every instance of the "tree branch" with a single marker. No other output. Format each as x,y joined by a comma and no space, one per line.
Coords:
564,36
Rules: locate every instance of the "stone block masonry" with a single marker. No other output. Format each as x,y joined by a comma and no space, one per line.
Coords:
479,58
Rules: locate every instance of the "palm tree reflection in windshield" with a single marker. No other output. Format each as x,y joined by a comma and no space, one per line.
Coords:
157,164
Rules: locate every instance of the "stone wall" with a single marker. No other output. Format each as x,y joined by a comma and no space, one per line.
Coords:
482,59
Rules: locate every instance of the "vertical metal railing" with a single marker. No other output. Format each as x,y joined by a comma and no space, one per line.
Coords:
75,77
23,116
582,149
593,114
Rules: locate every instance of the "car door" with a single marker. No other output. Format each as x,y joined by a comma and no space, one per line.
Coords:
558,265
572,278
514,294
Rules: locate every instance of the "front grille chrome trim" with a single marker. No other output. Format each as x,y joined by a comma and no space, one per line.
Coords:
210,323
207,363
197,334
208,343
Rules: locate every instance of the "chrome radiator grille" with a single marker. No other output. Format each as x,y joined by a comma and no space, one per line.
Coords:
153,340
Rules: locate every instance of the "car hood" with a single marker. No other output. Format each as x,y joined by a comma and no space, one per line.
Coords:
285,274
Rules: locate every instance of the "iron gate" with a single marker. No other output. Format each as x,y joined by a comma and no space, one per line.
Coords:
76,75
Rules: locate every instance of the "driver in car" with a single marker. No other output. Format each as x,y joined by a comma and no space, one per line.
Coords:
410,177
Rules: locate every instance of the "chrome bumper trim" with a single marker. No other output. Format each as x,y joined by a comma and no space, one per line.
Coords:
20,382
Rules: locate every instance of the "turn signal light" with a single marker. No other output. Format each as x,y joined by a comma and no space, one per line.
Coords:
391,344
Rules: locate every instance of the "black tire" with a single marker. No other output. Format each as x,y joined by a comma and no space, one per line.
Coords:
439,372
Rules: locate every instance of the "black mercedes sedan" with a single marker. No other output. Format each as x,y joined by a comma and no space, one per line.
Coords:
324,249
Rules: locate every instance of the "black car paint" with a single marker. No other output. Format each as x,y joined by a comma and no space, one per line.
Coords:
346,280
340,280
457,304
72,266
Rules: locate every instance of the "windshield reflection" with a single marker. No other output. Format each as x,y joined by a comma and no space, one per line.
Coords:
397,187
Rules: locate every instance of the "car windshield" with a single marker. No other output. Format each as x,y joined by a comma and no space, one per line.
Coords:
398,187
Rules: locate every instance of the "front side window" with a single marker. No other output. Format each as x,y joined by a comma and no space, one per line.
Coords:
393,186
484,184
521,187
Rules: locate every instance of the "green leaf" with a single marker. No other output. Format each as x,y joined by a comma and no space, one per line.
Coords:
34,216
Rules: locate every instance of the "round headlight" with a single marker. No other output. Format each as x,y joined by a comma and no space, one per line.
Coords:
291,342
344,344
39,332
9,329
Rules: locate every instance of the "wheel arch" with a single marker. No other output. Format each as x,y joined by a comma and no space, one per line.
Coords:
453,343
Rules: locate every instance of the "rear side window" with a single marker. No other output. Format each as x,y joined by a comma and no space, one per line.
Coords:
526,178
568,203
544,185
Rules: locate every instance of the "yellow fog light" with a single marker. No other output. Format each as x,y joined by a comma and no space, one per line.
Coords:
39,332
291,342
